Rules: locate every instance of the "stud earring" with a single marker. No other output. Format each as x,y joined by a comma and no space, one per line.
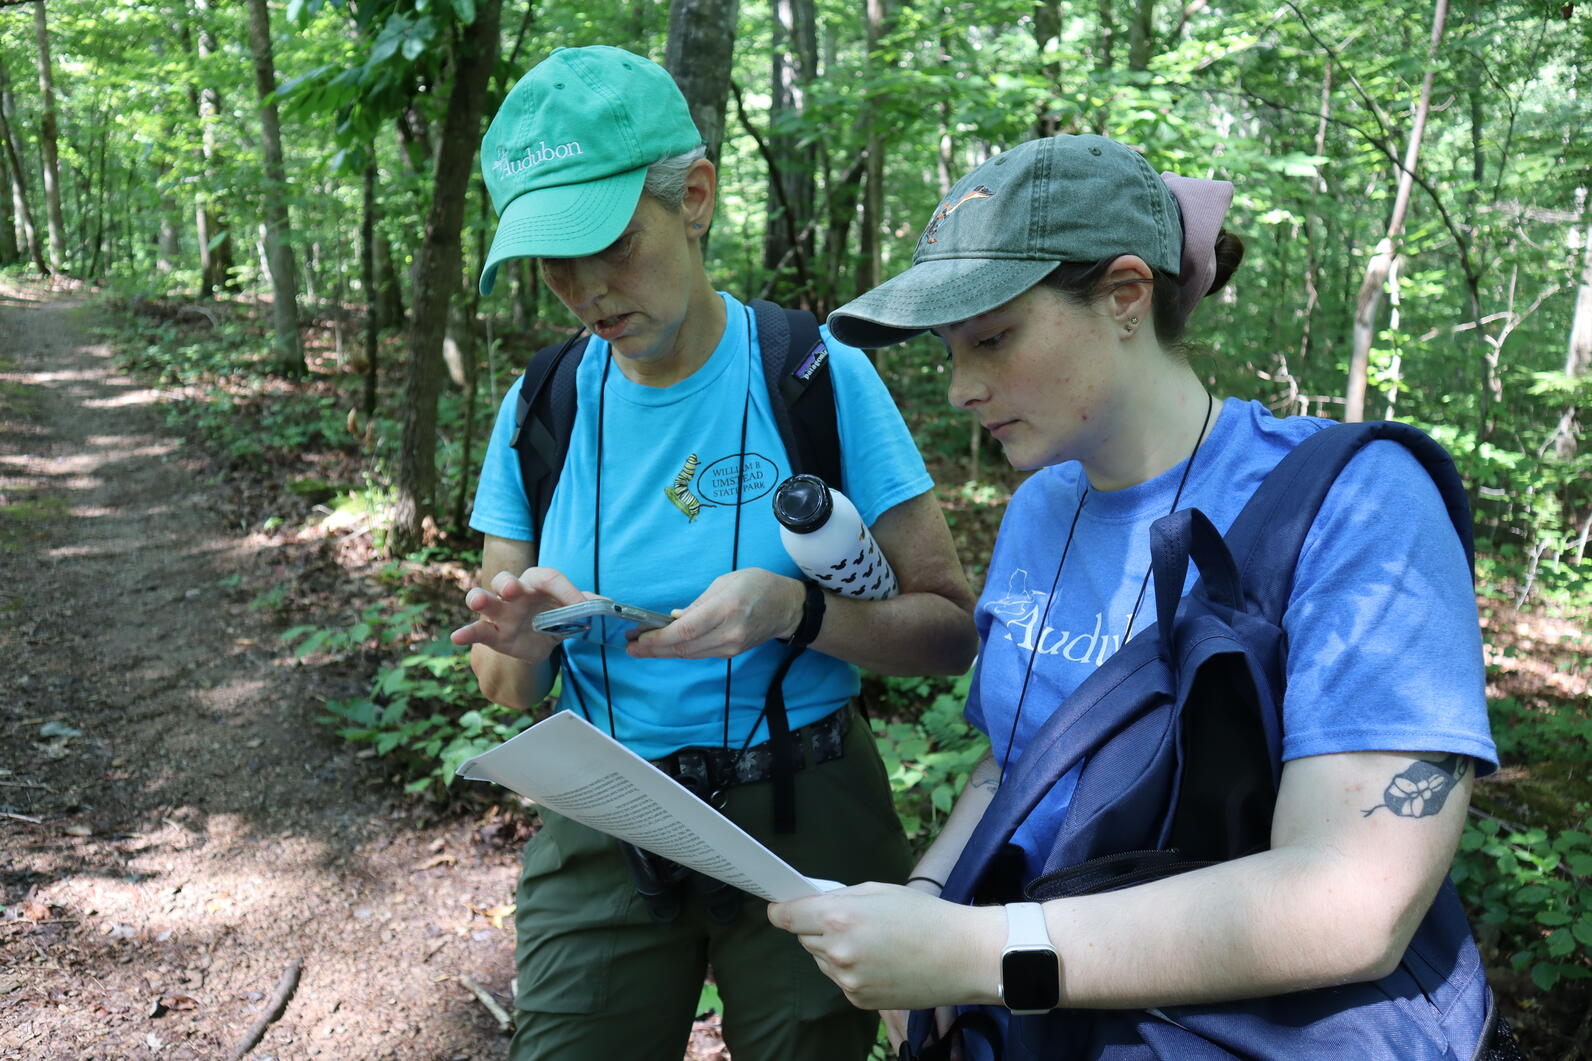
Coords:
1133,322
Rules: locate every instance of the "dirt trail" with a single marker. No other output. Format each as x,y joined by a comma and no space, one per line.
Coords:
174,827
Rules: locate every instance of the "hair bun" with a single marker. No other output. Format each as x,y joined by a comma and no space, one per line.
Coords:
1229,252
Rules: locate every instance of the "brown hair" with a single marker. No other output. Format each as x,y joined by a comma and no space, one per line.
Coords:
1084,284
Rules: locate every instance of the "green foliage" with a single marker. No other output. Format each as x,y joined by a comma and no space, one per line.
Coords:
928,751
1541,735
1529,896
423,712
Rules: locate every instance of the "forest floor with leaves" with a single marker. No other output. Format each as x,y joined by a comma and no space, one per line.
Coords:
181,839
177,831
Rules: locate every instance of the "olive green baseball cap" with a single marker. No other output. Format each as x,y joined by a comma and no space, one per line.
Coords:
566,156
1007,224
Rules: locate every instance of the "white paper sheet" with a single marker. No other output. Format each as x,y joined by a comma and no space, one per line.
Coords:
567,765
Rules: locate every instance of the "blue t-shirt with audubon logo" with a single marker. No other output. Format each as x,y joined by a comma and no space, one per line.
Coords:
1385,648
670,458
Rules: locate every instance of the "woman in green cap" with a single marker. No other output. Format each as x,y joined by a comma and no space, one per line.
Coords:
1059,276
597,171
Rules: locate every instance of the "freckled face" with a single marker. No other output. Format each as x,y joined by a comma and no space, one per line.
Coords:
635,293
1042,375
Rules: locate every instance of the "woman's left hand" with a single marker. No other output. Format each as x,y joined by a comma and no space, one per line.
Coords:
887,947
738,611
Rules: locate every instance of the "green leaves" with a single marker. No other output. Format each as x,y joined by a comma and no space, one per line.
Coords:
1527,892
929,758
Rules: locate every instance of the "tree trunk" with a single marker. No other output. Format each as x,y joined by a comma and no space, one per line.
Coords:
367,280
102,184
389,288
699,54
437,274
10,253
215,241
19,184
869,245
791,177
47,143
1141,36
1579,357
1108,34
1369,302
288,344
1047,28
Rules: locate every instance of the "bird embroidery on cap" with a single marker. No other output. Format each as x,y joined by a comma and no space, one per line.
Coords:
948,208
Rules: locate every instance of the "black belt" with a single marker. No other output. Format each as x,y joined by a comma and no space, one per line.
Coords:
708,771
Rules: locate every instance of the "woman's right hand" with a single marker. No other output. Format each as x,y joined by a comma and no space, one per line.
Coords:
506,609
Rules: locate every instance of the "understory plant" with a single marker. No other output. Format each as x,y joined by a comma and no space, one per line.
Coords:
422,711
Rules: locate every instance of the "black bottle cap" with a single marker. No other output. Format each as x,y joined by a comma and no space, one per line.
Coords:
802,504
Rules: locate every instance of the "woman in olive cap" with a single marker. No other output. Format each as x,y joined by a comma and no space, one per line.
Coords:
1059,276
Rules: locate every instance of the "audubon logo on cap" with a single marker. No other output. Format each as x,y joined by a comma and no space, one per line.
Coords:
534,155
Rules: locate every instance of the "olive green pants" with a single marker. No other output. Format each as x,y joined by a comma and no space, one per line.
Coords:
599,980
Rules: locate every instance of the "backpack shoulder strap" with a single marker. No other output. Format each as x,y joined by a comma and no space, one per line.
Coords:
801,389
544,420
1267,536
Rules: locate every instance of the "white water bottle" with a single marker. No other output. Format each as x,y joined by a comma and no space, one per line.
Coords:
822,531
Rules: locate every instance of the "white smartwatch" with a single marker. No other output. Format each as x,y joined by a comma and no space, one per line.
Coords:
1030,973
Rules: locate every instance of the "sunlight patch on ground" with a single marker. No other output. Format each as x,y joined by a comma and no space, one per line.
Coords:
123,451
138,397
80,376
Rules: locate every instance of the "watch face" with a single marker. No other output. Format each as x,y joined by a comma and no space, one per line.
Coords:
1030,980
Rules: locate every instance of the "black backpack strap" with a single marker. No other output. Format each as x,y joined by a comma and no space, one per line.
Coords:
544,420
800,389
802,394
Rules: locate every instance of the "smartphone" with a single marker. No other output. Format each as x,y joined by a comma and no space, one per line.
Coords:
598,620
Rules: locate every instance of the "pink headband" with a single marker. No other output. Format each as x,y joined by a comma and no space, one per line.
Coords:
1203,204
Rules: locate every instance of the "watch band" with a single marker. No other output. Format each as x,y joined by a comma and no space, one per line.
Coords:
1025,927
1030,969
812,617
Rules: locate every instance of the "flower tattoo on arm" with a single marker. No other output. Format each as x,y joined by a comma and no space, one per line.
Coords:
1420,791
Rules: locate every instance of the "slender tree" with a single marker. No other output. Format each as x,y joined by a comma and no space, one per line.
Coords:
1369,302
437,273
19,185
367,279
9,251
289,347
47,143
214,239
787,234
1579,357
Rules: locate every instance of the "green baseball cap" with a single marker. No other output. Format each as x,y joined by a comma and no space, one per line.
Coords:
566,156
1006,225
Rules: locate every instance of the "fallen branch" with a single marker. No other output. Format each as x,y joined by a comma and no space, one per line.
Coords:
22,817
505,1022
284,991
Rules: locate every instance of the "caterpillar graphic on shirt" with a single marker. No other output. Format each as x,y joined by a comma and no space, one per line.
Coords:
679,491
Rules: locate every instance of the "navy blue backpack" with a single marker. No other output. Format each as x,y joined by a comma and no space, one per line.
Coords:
1179,735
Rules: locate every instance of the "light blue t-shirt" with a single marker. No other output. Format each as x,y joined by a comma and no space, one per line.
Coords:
667,526
1385,647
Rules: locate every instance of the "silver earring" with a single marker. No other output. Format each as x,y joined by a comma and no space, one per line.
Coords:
1133,322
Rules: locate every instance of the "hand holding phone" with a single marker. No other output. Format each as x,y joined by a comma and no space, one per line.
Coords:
598,620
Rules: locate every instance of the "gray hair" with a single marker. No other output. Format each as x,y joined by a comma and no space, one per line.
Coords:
666,177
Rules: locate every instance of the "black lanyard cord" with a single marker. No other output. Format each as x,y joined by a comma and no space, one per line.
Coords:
1039,634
